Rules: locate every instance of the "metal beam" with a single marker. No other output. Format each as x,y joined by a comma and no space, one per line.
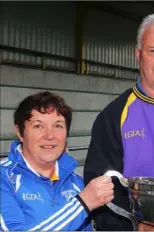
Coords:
81,11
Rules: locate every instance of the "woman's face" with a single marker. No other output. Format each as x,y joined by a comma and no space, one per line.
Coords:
44,138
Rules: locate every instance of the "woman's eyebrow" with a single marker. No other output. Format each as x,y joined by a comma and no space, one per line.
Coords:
59,121
35,120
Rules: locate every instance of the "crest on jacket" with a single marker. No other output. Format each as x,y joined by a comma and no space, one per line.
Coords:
68,194
15,180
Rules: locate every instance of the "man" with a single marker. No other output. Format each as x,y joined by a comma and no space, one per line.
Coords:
39,188
123,133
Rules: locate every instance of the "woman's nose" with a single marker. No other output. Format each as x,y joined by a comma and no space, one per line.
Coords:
49,134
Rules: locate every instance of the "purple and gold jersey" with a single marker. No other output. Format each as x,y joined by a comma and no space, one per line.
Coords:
122,140
137,129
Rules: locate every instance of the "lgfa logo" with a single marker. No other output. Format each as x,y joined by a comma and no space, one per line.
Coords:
32,196
133,133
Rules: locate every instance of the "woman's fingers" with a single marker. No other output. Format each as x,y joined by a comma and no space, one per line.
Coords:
98,192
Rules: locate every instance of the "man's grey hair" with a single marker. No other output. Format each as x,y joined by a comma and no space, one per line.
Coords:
147,21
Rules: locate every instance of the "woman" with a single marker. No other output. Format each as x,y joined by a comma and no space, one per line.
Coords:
39,189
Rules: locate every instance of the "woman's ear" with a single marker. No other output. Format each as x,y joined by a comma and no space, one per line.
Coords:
16,128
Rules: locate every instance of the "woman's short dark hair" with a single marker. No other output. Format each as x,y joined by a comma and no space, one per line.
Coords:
41,102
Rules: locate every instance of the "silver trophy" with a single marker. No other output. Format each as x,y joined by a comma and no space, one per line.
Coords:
141,192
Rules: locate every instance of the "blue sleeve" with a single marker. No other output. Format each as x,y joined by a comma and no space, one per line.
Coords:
86,226
70,216
12,217
89,227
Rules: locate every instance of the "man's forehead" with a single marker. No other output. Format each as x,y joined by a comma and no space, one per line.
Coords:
148,35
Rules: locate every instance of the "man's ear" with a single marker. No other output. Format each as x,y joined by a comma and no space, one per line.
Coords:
137,53
16,128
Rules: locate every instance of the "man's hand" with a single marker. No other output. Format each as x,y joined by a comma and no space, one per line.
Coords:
98,192
146,227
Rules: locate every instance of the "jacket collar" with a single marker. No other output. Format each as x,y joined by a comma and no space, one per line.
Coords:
140,92
140,88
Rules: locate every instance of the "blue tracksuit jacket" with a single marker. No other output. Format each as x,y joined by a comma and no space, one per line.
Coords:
30,201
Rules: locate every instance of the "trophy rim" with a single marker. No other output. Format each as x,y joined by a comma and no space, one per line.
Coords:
141,180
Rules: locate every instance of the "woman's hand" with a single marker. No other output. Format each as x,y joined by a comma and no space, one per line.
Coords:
98,192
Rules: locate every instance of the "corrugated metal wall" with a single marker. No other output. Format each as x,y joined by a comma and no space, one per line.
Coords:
40,27
50,27
110,39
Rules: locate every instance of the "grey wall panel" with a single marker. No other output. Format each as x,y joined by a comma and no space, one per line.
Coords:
78,141
82,122
47,79
5,145
79,155
42,29
7,126
79,170
11,96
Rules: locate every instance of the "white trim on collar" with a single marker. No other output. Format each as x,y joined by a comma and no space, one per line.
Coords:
30,167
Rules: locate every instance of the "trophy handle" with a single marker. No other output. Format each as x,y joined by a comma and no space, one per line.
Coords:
120,211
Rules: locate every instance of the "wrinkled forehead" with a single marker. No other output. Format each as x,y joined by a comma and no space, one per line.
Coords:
148,36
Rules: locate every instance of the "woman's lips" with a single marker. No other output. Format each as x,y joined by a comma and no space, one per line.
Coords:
48,146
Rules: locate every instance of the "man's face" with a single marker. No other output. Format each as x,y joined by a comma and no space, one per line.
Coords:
44,138
145,56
